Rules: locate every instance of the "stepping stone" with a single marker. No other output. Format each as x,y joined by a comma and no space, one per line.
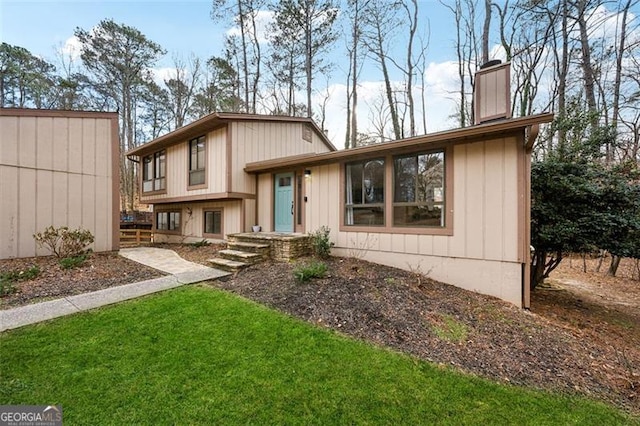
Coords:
240,256
227,265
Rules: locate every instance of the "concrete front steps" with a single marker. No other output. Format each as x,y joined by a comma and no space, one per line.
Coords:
249,248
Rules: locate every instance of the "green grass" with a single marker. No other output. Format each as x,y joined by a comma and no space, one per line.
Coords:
451,329
200,356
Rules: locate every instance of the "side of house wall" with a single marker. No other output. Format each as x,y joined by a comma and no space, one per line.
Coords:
262,140
482,255
192,220
265,202
177,168
57,168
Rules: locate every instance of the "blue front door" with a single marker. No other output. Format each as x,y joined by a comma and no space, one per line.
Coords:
284,202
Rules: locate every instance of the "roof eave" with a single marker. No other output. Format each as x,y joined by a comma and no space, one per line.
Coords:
214,121
447,137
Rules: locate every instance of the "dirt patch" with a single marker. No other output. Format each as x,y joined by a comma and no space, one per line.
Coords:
581,336
99,271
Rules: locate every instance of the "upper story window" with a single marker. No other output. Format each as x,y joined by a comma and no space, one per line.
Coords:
197,159
418,192
154,172
364,193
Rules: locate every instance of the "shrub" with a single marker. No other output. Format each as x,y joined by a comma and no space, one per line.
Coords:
64,242
72,262
304,273
8,279
321,243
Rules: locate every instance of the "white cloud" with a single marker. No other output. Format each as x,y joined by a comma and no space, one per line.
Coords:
162,74
441,86
72,48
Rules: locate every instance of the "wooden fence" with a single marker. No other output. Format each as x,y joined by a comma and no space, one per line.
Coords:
135,237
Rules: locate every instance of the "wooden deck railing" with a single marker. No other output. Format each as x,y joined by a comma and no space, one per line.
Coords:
135,237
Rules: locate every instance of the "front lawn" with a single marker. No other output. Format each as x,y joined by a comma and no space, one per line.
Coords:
196,355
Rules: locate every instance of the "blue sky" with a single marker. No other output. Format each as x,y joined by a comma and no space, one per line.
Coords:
178,26
184,27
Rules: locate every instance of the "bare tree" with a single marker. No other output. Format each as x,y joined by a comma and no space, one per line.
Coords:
182,85
248,51
381,19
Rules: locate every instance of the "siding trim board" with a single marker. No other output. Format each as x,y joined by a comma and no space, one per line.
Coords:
229,160
201,197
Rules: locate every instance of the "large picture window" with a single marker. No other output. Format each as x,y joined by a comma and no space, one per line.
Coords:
364,193
154,172
419,190
213,222
197,159
168,221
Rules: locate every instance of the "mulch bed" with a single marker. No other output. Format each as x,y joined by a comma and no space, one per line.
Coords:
422,317
568,342
99,271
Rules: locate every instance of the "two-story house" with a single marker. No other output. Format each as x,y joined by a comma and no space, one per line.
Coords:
454,205
194,176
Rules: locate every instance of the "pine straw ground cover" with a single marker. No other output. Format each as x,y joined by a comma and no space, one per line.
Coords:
575,339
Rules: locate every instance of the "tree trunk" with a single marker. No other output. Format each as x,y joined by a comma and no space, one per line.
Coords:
245,63
538,261
309,56
354,100
258,58
587,69
485,31
562,74
413,17
613,267
618,76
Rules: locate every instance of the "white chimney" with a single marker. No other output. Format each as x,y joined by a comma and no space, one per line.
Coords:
492,93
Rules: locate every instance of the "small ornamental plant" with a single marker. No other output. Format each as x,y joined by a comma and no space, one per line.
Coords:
304,273
321,243
63,242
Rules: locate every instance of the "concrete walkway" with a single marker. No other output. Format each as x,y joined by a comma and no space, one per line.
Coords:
182,272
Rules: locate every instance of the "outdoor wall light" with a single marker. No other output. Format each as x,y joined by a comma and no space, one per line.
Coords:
307,173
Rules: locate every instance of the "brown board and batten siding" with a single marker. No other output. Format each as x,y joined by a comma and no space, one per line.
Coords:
192,219
57,168
486,248
177,169
263,140
481,255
